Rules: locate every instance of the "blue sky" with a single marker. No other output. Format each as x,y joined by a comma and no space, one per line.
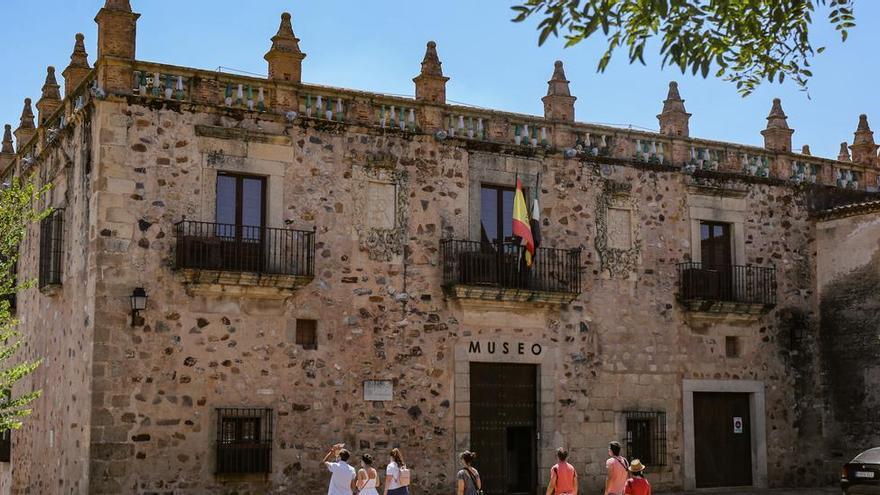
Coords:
492,62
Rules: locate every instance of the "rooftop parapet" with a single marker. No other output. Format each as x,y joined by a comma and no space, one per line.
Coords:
283,96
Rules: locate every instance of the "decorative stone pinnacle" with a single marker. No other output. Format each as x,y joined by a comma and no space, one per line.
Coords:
674,119
431,63
122,5
673,102
558,71
284,40
7,147
843,156
864,149
51,89
777,118
558,84
673,91
27,116
284,57
863,134
79,57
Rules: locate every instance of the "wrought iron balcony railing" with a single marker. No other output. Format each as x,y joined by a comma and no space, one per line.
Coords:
501,265
242,248
730,284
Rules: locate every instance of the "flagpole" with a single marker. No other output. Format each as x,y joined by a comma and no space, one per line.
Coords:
515,189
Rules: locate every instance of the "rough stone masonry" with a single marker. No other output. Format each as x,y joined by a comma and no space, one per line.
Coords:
359,301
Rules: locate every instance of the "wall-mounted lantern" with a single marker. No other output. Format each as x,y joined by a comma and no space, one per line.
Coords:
138,300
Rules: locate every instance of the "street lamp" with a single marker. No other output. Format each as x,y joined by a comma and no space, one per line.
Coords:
138,299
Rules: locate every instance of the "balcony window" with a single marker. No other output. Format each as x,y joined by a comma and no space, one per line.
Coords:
239,241
241,200
51,248
244,441
715,244
496,213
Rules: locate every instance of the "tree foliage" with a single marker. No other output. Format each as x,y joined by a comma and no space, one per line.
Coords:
743,41
17,211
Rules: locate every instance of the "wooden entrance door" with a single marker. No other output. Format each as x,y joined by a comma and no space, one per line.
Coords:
723,445
504,426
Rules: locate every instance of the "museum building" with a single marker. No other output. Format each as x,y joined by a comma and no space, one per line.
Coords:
241,271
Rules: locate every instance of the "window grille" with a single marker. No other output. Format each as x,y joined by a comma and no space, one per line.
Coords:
646,437
11,297
6,446
51,248
307,334
244,440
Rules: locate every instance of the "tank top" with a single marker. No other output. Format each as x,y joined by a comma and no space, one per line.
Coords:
564,478
370,486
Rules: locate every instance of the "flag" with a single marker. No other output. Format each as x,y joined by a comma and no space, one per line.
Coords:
521,223
535,220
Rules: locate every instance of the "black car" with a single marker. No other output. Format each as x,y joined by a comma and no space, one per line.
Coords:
862,474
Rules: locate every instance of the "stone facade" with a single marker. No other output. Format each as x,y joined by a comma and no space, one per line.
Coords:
130,402
847,283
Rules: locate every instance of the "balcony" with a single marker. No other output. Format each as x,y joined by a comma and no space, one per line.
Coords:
496,271
726,289
240,259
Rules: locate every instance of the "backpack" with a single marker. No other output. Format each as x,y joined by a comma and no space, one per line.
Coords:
405,477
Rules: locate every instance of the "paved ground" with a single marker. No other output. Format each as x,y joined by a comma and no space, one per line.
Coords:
775,491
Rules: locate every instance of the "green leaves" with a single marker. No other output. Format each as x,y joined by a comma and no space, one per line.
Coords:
16,213
746,42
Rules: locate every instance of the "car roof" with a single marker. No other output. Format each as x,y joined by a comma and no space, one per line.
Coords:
870,455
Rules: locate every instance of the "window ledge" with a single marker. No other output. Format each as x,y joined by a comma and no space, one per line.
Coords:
51,289
243,477
700,313
244,284
492,293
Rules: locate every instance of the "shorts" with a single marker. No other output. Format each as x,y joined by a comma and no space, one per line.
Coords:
403,490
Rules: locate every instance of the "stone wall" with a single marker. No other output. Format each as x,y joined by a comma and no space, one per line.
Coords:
50,452
848,281
624,343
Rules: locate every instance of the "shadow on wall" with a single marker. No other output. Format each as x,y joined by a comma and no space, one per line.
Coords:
850,338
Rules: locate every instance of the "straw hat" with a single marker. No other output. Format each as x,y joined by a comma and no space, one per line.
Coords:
636,466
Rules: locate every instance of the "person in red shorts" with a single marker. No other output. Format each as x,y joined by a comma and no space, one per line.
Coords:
637,484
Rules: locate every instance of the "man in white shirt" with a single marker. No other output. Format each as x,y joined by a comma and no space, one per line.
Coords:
343,476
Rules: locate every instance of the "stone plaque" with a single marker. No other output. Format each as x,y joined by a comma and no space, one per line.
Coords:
378,390
381,205
619,228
